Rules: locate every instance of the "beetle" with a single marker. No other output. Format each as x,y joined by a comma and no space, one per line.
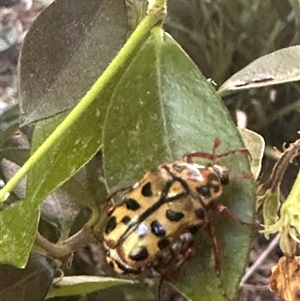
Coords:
153,226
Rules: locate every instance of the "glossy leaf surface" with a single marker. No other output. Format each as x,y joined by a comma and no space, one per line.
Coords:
55,168
68,47
15,242
9,122
278,67
162,108
70,147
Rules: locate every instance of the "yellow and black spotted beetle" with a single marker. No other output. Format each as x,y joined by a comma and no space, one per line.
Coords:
154,224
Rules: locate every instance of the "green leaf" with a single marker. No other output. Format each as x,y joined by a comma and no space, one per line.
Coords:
15,243
278,67
79,136
162,108
60,209
79,193
95,179
57,166
9,122
67,48
62,160
81,285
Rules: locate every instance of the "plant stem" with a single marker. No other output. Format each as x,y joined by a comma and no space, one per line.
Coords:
64,250
155,15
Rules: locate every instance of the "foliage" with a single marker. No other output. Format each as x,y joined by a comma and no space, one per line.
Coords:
150,105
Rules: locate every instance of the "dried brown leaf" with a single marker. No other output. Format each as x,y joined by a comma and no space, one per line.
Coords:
285,279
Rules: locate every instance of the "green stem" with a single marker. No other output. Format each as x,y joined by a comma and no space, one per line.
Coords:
155,15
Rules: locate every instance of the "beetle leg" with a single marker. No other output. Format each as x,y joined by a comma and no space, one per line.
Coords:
109,200
226,212
216,250
188,157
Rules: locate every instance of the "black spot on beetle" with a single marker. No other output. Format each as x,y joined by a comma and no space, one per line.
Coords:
139,253
146,190
125,220
132,204
224,179
194,228
163,243
157,228
204,191
212,178
216,188
174,216
200,213
111,225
